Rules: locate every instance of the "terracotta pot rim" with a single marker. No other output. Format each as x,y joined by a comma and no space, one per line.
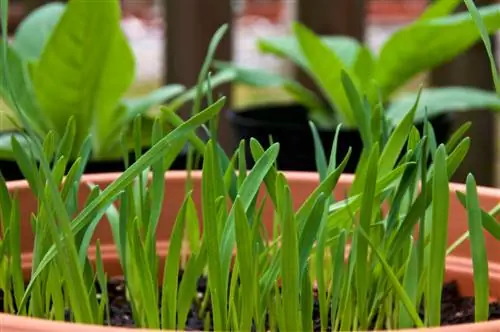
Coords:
290,175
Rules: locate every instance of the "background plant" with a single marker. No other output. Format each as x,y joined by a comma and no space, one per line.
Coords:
82,48
437,36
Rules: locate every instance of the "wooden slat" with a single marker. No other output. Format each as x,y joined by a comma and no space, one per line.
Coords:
472,69
345,17
189,29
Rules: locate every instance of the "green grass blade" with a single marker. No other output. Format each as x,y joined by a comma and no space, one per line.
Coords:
84,218
310,234
246,264
365,220
325,187
398,288
218,289
338,257
397,140
103,284
489,222
187,287
319,152
306,302
16,271
361,114
248,191
289,256
439,239
410,284
270,179
171,269
478,253
485,36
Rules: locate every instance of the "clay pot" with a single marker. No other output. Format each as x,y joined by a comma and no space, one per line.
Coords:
458,267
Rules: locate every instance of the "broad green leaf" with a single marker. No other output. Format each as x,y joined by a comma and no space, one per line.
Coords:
90,65
438,8
287,47
363,67
33,32
16,90
424,45
325,67
443,100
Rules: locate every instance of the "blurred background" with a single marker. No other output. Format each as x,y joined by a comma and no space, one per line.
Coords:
183,28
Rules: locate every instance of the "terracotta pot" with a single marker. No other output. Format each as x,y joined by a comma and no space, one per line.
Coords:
458,267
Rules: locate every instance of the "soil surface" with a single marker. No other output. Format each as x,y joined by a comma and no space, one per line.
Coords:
456,309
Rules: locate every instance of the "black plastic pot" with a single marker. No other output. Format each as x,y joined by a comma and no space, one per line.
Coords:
11,171
288,125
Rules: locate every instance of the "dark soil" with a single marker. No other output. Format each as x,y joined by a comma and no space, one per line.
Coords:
456,309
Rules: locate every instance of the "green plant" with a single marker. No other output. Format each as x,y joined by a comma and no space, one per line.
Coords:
386,275
73,60
435,38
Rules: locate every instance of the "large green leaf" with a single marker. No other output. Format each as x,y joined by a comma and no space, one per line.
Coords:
426,44
34,31
442,100
346,48
326,67
439,8
84,69
17,91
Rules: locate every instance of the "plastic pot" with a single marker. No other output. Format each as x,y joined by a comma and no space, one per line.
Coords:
458,267
288,125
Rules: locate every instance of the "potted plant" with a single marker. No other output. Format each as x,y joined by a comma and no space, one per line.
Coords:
229,248
436,37
82,48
